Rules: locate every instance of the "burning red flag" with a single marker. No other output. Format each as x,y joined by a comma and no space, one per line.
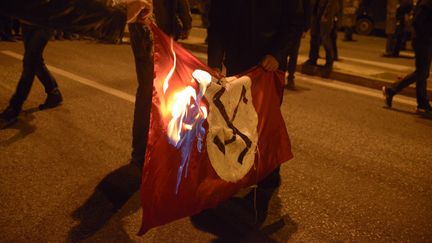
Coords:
209,135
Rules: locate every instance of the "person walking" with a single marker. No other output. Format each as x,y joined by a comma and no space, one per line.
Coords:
422,44
302,16
35,40
349,18
395,25
322,23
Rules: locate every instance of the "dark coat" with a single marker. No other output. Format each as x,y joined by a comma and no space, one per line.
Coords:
172,16
242,32
422,21
323,15
89,17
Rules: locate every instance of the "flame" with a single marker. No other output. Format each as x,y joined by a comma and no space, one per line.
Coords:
179,112
186,113
170,73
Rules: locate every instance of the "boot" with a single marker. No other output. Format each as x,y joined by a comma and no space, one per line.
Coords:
53,99
9,116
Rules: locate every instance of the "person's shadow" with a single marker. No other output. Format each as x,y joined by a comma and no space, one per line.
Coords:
108,197
24,127
246,219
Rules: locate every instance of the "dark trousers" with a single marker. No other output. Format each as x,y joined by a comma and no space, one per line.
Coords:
423,56
395,41
142,44
293,56
321,35
6,24
35,39
334,42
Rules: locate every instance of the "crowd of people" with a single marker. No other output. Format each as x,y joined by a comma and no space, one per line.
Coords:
237,40
242,34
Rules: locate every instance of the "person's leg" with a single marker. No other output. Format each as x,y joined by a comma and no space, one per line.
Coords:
348,34
423,54
314,42
292,62
391,50
142,45
334,43
10,114
42,36
273,180
27,76
327,42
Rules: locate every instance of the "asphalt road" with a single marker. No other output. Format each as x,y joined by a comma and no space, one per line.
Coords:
360,173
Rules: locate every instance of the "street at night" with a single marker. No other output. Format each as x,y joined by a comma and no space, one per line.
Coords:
360,173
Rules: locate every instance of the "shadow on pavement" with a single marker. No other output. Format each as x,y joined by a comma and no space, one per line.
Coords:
108,197
24,127
236,219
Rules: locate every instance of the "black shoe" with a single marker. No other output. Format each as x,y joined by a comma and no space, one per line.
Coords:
290,84
326,70
388,96
386,54
53,99
8,117
309,62
424,111
309,67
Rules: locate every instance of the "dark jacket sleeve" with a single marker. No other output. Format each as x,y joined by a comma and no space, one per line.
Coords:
216,32
284,40
423,20
184,14
88,17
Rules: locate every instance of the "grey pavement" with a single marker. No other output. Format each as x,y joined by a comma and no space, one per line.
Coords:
360,173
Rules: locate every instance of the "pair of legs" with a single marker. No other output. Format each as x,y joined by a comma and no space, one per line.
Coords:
35,40
321,35
423,57
142,47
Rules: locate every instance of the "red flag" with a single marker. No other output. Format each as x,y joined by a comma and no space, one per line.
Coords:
181,179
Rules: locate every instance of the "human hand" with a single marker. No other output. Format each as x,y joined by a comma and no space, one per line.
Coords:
139,11
270,63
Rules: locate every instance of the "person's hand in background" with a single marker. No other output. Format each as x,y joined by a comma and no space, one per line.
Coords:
139,11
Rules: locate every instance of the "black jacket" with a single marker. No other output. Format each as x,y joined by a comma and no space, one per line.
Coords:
89,17
242,32
422,21
173,16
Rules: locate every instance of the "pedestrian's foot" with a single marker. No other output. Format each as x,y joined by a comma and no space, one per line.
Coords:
326,70
53,99
386,54
309,67
388,96
427,111
309,62
8,117
290,84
